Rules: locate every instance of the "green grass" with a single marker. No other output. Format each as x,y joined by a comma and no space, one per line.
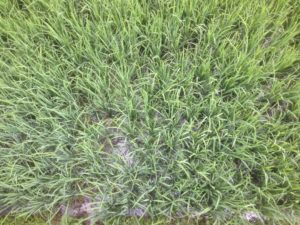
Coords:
177,108
125,221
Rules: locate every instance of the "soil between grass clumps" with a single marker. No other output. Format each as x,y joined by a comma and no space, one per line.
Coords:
115,110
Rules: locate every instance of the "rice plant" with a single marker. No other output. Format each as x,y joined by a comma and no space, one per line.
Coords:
150,110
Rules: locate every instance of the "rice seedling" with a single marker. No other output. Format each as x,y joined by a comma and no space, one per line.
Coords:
166,109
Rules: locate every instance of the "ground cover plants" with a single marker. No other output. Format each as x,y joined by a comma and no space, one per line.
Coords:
150,109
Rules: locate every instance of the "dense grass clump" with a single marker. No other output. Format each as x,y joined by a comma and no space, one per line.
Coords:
160,108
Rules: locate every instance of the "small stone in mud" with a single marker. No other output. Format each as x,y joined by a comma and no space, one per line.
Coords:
252,216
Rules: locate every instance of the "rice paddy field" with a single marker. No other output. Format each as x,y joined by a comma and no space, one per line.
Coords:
150,112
